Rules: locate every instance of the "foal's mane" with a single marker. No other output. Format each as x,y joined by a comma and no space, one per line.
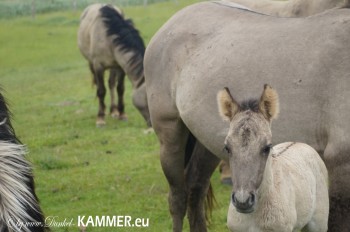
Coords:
250,104
127,36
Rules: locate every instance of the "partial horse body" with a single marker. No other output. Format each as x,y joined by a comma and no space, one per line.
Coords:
19,205
281,188
108,41
245,48
291,8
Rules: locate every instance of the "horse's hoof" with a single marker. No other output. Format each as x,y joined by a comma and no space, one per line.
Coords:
149,130
100,122
123,117
115,114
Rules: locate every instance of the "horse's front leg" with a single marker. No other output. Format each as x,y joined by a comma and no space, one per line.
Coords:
101,93
173,137
198,172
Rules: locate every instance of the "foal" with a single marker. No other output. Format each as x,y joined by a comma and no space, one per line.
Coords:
281,188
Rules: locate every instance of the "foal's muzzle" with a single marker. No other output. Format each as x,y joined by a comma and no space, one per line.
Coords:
243,201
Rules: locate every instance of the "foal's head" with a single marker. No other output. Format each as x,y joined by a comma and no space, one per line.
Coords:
248,142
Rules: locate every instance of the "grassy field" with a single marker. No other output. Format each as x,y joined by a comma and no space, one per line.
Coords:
80,169
15,8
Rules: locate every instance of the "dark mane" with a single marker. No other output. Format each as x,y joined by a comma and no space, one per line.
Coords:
127,37
7,132
251,104
16,170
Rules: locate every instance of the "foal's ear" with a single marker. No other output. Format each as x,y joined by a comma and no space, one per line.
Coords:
269,104
228,107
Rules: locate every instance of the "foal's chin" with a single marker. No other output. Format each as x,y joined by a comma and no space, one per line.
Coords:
245,211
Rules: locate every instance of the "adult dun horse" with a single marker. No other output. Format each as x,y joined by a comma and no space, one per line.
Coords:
248,49
290,8
108,41
280,188
19,205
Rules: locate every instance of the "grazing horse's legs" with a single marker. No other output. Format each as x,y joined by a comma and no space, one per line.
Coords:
101,93
198,173
117,75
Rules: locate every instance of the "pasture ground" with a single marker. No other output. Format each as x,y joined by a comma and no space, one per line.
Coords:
80,169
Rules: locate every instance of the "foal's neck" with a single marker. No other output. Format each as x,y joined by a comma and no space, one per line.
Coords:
268,183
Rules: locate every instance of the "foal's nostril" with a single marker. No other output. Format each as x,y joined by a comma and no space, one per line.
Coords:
252,199
233,198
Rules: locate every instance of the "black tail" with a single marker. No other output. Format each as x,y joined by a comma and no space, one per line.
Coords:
191,157
191,143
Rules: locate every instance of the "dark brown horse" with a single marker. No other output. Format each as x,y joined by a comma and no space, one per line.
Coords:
19,205
108,41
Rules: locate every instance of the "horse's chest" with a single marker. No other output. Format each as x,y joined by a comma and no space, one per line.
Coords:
271,220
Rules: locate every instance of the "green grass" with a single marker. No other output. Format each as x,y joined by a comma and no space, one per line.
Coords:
80,169
15,8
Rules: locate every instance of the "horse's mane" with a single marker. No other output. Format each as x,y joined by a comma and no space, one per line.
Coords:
7,132
127,37
18,201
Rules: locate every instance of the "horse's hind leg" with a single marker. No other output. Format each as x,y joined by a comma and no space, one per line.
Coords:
198,173
117,77
173,136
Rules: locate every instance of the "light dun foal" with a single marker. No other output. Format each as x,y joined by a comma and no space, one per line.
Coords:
281,188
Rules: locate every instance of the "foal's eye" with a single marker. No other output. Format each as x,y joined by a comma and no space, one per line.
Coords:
266,150
227,149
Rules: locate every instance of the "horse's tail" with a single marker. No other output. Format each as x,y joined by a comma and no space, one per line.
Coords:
19,207
193,148
209,203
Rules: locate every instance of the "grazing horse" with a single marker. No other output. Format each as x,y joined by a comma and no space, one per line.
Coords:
205,46
19,205
291,8
108,41
284,188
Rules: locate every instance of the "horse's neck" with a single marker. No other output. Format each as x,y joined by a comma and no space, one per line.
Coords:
137,81
135,74
132,64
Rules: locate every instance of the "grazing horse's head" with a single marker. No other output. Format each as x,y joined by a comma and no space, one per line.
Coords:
248,142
